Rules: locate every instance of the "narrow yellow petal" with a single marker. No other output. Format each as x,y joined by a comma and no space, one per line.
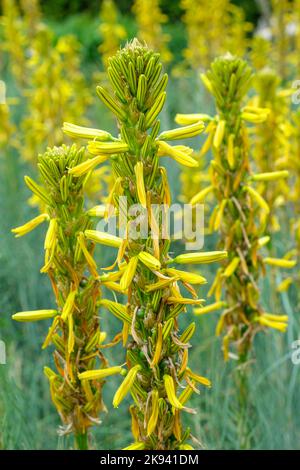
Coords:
129,273
150,261
170,390
280,262
140,185
200,257
210,308
103,238
126,385
99,373
32,224
154,413
34,315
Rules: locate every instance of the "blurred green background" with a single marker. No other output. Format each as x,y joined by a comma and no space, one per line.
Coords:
27,418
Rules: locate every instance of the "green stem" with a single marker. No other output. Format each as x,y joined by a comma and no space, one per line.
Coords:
243,398
81,441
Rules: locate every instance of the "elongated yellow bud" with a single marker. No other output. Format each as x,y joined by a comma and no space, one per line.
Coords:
219,134
126,385
280,318
37,190
158,346
281,326
206,82
198,378
258,198
88,165
284,285
51,235
150,261
154,413
71,337
263,241
129,273
199,258
135,446
271,176
184,301
232,267
97,211
230,152
177,154
210,308
73,130
183,132
187,119
280,262
119,310
140,185
103,238
170,390
69,305
107,148
34,315
200,197
155,109
184,276
29,226
99,373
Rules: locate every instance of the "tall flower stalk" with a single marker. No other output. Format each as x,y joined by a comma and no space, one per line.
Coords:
156,347
239,207
75,331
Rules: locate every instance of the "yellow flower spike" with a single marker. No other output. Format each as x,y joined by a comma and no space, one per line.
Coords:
183,132
107,148
135,446
158,347
119,310
189,119
87,166
198,378
29,226
154,413
69,305
85,132
170,390
34,315
129,273
270,176
200,197
103,238
148,260
140,185
200,257
126,385
280,262
219,134
184,276
177,154
258,198
210,308
99,374
232,266
284,285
